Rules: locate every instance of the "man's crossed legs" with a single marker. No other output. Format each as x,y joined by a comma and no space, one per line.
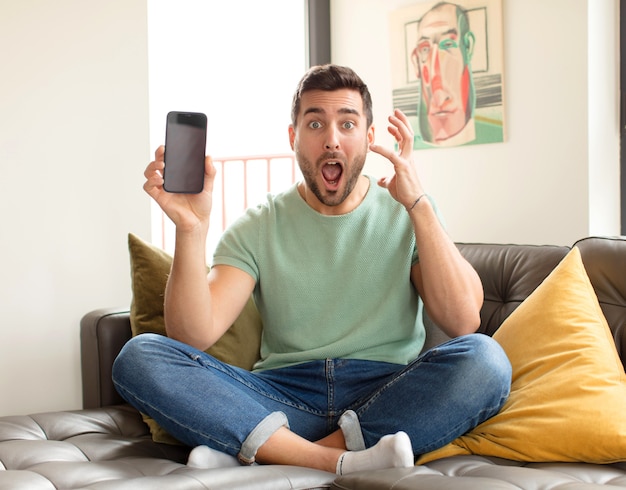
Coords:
311,413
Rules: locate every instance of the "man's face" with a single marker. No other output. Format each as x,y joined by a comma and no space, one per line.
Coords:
444,73
331,140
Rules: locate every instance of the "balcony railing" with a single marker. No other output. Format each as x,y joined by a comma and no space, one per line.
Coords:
240,182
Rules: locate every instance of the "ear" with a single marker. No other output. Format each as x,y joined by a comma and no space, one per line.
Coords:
469,41
292,136
370,136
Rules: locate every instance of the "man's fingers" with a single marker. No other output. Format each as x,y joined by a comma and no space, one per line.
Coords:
402,131
209,173
405,120
381,150
390,155
155,167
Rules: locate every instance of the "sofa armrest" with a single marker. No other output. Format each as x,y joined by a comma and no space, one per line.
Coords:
103,333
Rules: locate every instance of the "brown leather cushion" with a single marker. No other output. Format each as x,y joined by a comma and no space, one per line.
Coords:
605,262
509,274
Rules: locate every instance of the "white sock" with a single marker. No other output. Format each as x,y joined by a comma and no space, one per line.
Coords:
392,451
203,457
199,457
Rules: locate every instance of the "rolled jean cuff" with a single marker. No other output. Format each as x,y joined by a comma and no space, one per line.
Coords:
351,428
259,435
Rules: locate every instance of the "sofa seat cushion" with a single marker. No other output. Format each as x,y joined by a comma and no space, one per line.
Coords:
111,448
478,472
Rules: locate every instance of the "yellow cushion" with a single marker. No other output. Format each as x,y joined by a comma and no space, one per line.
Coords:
150,267
568,394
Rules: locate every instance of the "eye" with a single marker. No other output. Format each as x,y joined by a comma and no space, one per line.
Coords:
348,125
315,125
448,44
423,50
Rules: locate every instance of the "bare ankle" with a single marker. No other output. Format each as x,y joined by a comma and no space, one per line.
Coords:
285,447
335,440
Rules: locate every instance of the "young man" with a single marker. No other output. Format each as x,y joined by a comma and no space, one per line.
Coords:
333,265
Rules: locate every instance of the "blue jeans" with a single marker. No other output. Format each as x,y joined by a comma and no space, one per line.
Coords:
199,400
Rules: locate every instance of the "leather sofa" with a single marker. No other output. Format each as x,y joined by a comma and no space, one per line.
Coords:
106,445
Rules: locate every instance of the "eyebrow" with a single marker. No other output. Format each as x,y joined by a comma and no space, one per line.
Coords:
343,110
449,32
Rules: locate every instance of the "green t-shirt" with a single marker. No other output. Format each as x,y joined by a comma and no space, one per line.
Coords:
329,286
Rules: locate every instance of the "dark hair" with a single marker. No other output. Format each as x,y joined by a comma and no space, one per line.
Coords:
331,77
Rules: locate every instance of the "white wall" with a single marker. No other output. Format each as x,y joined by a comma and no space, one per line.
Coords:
73,144
555,179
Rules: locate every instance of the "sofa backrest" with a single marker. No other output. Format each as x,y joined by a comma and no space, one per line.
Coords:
605,263
509,274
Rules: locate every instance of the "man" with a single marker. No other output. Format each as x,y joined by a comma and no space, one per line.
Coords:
442,60
333,266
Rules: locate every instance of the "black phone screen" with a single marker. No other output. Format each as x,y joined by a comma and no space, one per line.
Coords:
185,145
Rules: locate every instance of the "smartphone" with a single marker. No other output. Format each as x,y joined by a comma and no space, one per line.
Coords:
185,145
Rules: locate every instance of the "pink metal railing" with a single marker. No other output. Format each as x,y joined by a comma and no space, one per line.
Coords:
240,182
267,161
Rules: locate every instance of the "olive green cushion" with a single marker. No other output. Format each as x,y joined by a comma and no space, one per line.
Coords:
150,267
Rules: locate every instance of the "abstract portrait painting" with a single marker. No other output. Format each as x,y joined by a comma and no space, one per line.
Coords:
447,71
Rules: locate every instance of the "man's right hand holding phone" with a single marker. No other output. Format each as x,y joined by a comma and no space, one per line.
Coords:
189,212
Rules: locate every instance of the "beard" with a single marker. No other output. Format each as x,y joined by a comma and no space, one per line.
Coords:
311,172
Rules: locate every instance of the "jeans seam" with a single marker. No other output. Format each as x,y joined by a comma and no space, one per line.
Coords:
376,394
270,396
330,392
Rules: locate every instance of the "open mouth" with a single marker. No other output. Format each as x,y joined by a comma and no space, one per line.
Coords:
332,172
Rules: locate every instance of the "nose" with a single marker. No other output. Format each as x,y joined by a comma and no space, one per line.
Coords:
331,140
439,95
436,82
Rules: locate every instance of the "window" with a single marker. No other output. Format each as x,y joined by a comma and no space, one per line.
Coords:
238,62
